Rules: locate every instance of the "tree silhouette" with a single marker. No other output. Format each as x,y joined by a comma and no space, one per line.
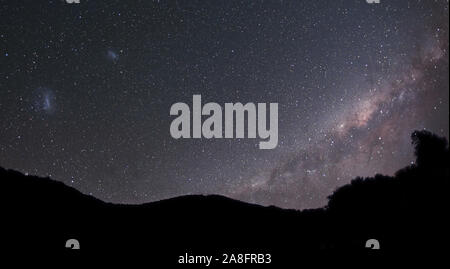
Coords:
405,212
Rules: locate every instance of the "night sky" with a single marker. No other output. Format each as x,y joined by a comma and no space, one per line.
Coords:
86,90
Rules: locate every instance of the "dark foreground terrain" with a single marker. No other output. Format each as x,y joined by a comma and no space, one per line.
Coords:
405,213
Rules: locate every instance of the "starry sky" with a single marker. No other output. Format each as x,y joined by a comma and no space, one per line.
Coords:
86,90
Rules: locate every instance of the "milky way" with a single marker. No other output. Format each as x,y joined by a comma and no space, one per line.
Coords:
360,139
86,89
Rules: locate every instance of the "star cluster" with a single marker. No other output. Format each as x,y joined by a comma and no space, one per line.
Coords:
86,89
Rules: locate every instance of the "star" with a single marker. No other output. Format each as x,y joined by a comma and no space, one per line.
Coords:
86,94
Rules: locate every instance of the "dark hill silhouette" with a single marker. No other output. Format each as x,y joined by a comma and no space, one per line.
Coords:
404,212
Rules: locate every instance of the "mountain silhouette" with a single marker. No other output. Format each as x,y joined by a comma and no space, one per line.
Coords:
404,212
